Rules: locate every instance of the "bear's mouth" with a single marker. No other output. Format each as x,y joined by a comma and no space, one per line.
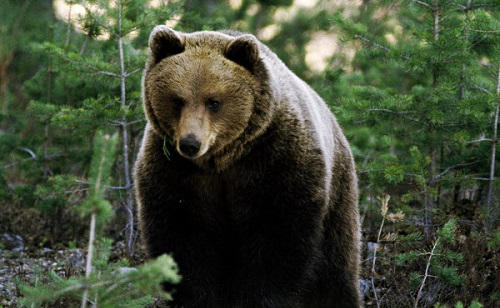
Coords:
193,147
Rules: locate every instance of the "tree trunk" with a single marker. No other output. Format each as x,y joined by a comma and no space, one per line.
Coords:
129,200
430,198
492,210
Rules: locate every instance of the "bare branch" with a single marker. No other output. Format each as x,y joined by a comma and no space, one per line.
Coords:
384,200
392,111
33,155
481,88
450,168
481,139
99,71
427,267
469,7
397,112
427,5
107,186
485,31
133,72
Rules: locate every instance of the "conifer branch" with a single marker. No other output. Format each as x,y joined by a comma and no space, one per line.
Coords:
366,40
373,43
96,20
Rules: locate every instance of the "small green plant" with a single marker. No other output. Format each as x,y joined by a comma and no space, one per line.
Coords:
104,284
440,262
113,287
54,192
474,304
494,242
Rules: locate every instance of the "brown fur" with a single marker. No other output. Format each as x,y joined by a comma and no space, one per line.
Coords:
263,211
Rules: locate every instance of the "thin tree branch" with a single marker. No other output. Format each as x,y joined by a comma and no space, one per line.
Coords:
377,300
124,124
99,71
427,267
102,72
392,111
396,112
427,5
364,39
88,266
32,157
481,88
133,72
462,7
373,43
450,168
479,140
106,186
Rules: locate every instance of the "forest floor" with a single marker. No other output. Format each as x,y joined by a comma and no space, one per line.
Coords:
29,264
25,265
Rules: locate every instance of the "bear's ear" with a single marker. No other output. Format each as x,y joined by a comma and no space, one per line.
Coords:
244,50
165,42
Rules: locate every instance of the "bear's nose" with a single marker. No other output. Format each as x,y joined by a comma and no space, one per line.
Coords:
189,146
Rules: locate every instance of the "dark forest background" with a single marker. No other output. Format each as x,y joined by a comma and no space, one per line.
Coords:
415,85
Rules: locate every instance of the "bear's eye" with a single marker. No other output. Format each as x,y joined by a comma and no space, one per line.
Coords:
177,103
213,105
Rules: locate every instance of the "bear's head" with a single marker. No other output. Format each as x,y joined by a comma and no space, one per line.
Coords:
205,90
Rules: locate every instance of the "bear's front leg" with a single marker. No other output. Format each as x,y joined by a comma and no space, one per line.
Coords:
173,221
279,239
279,266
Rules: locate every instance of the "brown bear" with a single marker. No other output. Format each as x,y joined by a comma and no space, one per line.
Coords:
245,177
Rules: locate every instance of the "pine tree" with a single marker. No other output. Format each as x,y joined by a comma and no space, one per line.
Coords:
443,100
91,82
104,284
440,262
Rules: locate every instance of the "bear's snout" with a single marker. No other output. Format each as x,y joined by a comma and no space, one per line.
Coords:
189,146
